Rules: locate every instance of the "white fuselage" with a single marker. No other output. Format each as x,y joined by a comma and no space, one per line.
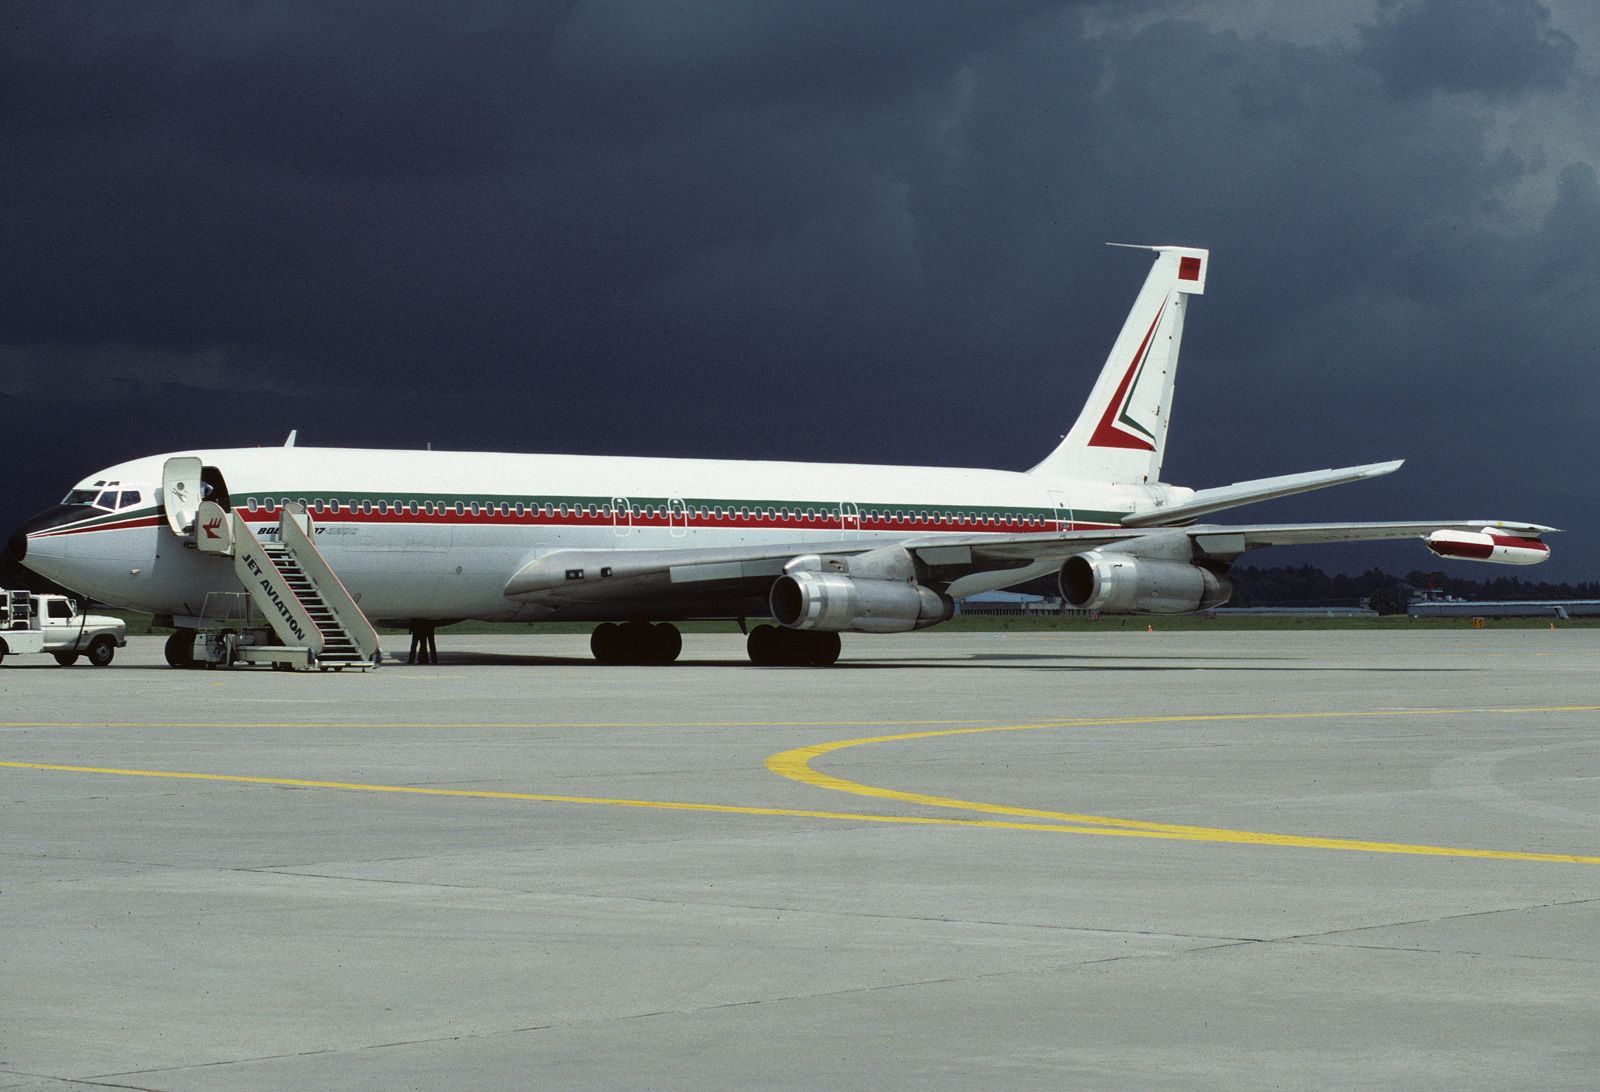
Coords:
426,534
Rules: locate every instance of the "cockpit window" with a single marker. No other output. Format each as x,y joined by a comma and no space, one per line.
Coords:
109,500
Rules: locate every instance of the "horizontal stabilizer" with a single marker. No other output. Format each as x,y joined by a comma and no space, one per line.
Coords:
1205,501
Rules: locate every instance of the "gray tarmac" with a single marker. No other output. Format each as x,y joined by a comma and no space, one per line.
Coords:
1170,860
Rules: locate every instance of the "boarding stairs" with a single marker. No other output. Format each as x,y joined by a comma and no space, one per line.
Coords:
338,647
317,621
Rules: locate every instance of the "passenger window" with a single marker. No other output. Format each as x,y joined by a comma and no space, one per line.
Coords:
60,609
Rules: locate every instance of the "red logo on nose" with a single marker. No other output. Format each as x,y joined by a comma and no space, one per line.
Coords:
211,526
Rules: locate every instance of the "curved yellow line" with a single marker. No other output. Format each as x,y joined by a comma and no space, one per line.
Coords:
620,802
795,764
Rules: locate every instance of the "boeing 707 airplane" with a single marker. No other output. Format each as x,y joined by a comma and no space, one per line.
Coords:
431,537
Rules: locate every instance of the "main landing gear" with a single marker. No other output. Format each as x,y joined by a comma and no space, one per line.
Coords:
772,646
636,643
660,643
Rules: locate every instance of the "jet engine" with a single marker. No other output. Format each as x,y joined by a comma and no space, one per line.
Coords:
1124,584
837,603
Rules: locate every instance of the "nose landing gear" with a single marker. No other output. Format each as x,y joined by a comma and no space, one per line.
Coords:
180,648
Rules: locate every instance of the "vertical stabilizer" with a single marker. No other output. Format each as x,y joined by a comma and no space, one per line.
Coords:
1121,435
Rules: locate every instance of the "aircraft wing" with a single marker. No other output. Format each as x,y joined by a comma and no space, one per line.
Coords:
569,569
1301,534
738,577
1218,540
564,579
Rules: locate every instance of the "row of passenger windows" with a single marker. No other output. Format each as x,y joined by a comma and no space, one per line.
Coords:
318,506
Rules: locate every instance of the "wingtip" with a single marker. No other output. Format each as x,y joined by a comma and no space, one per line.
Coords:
1377,470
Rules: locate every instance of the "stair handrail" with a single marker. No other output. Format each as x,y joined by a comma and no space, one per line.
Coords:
298,533
270,589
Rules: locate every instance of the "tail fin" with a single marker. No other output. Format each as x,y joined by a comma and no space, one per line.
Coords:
1121,435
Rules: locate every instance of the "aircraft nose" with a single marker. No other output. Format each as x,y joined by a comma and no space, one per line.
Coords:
18,545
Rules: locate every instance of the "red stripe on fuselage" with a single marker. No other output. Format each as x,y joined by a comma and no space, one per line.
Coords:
120,525
533,519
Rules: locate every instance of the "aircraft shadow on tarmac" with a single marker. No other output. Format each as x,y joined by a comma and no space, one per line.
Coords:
1003,661
998,661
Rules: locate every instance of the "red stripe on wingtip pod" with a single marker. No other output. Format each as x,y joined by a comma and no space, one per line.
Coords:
1475,551
1520,543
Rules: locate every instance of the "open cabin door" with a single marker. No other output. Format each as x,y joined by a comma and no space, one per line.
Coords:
180,492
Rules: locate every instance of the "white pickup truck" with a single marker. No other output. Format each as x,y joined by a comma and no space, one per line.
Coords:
50,623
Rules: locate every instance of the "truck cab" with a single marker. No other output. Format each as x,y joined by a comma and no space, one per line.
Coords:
31,623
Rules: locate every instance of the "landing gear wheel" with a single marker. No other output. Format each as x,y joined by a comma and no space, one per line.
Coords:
825,648
607,643
665,643
636,643
102,650
66,659
180,648
770,646
762,645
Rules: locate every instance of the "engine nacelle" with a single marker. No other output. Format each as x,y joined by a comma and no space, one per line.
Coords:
1494,546
1124,584
835,602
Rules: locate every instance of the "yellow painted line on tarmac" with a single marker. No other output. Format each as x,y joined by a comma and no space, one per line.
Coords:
484,724
795,764
1240,836
550,798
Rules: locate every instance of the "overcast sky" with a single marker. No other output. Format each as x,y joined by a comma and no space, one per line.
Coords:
819,231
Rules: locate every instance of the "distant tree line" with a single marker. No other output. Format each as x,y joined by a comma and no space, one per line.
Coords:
1308,586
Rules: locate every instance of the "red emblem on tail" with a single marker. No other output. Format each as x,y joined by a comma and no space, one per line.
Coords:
211,525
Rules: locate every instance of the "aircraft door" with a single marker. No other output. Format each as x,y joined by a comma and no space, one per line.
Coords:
677,517
180,492
1063,513
849,519
621,516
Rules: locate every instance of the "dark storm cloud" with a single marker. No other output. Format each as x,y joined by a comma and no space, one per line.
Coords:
1499,47
826,231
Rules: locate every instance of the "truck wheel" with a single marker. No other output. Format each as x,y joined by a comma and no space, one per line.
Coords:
66,659
101,650
3,651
